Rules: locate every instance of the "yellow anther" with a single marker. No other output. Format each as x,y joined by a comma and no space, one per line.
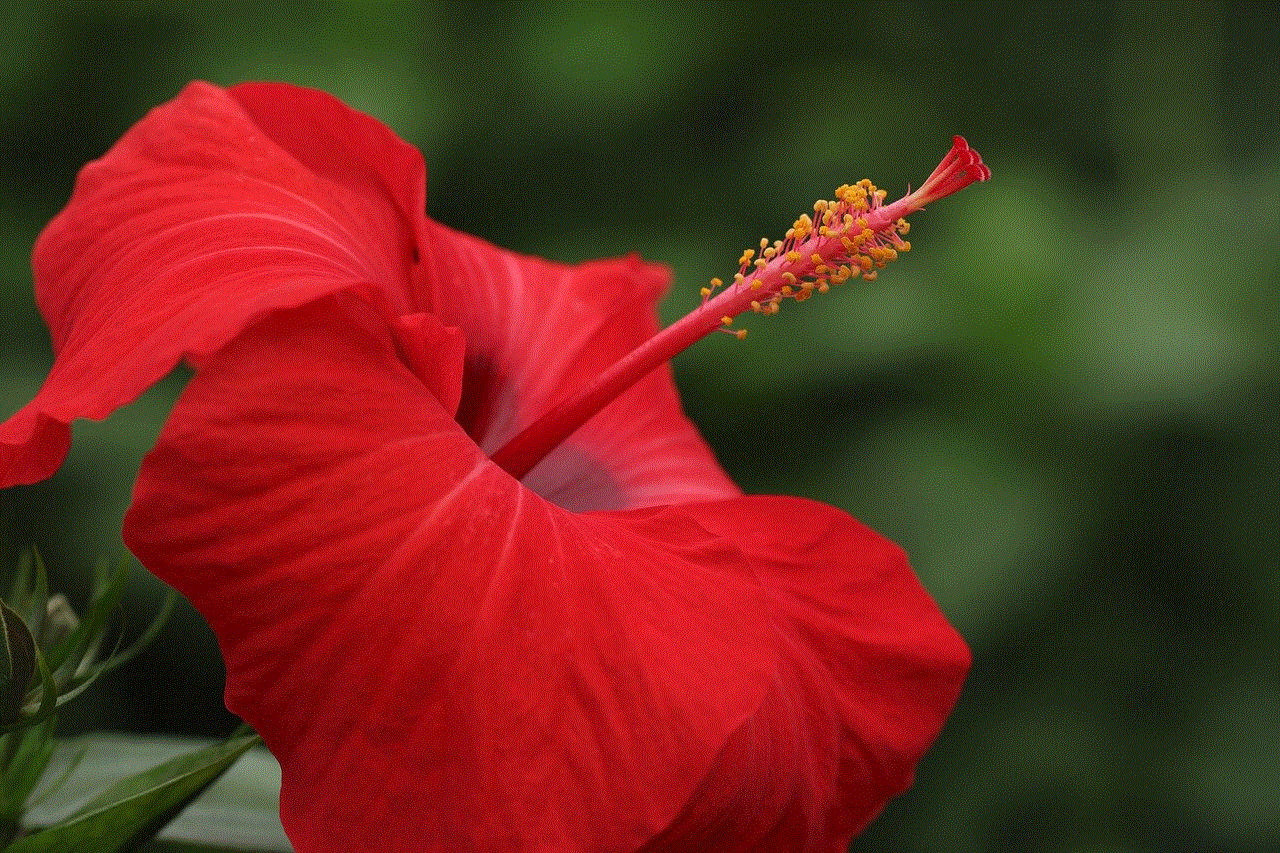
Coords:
809,261
802,229
740,334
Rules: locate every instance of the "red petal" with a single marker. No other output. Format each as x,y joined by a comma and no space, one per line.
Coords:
869,671
197,223
405,624
536,331
440,659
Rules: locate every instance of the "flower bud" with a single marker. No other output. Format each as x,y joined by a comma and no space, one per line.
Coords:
17,663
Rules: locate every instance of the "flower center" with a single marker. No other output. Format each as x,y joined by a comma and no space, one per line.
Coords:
854,235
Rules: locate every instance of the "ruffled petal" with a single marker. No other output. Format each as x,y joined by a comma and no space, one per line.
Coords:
869,670
440,659
537,331
215,209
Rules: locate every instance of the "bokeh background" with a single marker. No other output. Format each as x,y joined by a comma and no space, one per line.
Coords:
1063,402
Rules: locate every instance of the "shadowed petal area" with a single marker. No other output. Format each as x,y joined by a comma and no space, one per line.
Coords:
405,624
538,330
196,223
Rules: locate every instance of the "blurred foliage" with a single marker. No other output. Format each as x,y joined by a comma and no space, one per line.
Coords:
49,656
128,814
1063,402
238,812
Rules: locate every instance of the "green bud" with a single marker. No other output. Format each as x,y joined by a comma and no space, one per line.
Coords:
17,663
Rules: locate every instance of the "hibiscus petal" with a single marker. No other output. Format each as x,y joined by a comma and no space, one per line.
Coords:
196,223
440,659
537,331
869,671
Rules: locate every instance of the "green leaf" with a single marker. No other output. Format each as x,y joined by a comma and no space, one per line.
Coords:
27,753
17,662
241,811
130,812
48,699
83,643
29,594
61,779
76,684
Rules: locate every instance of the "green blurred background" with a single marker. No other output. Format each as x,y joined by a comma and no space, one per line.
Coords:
1063,402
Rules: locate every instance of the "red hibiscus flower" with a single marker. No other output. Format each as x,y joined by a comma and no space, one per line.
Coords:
458,622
